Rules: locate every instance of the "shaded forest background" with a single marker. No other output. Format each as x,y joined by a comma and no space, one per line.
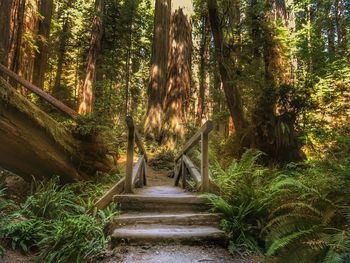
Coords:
273,73
274,76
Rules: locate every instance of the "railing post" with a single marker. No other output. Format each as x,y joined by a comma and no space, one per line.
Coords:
144,172
183,172
205,161
129,159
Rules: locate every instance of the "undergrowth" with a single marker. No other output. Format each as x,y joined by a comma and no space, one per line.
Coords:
55,223
297,214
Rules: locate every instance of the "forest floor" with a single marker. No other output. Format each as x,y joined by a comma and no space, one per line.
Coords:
174,254
134,254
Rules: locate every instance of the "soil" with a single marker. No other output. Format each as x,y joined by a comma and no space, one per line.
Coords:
16,257
174,254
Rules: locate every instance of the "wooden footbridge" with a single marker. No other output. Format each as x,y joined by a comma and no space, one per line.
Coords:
155,208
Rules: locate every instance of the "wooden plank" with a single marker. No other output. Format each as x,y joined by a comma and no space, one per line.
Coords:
129,158
130,123
42,94
205,161
107,198
193,170
177,174
145,172
137,169
205,129
183,172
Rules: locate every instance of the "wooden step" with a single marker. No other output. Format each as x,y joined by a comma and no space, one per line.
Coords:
198,219
151,234
163,203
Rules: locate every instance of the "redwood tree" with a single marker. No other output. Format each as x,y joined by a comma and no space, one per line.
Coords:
179,71
158,72
86,91
231,90
41,57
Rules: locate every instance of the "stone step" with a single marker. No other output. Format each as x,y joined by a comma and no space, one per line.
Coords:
163,202
151,234
198,219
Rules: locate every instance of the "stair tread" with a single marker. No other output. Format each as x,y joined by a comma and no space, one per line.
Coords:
163,198
163,215
171,231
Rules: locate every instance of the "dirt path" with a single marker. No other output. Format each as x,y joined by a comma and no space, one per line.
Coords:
174,254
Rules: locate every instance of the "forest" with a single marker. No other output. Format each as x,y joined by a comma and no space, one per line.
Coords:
83,82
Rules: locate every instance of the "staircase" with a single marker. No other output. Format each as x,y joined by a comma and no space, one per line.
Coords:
152,216
162,212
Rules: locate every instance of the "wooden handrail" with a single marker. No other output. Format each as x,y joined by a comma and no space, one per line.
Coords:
140,167
205,129
201,178
130,123
42,94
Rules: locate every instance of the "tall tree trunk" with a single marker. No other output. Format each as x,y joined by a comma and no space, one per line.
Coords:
231,90
41,57
61,58
86,93
17,40
158,72
179,70
5,30
274,122
339,22
204,55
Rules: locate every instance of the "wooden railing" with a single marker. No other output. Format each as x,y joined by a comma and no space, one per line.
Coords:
183,163
135,174
42,94
138,172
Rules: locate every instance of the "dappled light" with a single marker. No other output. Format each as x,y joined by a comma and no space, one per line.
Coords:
176,131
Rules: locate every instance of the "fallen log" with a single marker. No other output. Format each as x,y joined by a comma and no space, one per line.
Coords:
33,144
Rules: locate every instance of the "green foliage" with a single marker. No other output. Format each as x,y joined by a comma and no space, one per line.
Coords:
56,220
52,202
297,214
244,201
4,219
163,160
75,238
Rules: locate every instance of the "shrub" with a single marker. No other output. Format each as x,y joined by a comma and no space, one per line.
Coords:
244,200
297,214
55,219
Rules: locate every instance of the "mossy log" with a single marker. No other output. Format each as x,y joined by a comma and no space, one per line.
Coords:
34,144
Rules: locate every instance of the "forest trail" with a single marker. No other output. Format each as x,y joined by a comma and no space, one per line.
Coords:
162,213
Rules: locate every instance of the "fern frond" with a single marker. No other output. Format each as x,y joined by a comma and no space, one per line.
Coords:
285,241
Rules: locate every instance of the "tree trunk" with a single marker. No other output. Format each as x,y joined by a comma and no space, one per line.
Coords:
179,71
41,57
339,22
231,90
204,56
158,72
61,58
17,40
5,30
86,93
34,144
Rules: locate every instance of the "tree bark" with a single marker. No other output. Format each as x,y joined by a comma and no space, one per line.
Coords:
232,92
86,93
61,58
5,30
158,72
339,22
204,55
17,39
179,71
34,144
41,57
